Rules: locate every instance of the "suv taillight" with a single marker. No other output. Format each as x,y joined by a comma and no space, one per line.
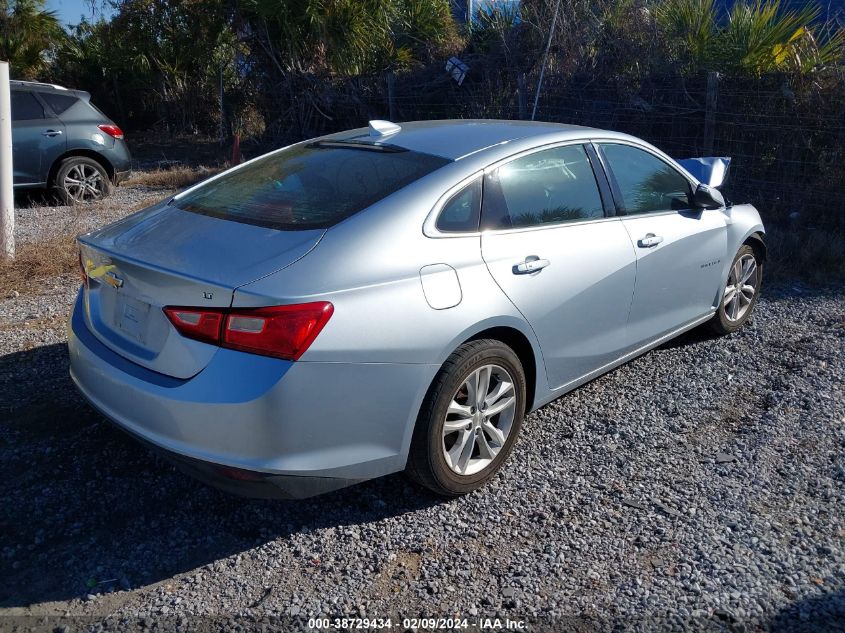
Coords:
280,331
112,130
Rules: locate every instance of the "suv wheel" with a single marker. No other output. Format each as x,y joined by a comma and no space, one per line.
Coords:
470,419
80,180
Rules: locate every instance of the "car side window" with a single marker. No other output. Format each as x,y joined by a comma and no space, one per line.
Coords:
59,103
461,212
547,187
647,184
25,107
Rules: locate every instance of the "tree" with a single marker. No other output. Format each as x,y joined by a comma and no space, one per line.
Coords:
28,37
756,38
349,37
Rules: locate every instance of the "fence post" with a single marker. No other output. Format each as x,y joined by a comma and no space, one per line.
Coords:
7,200
710,111
220,105
521,96
391,95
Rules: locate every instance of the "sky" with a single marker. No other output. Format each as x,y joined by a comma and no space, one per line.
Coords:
70,11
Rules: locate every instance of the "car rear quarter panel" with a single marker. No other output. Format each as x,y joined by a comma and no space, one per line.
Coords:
369,268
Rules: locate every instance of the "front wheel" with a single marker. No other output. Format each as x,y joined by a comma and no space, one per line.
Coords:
740,293
470,419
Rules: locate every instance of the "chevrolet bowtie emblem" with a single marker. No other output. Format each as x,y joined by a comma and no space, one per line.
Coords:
113,280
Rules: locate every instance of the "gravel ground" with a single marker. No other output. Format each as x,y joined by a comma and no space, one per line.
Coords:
36,218
698,487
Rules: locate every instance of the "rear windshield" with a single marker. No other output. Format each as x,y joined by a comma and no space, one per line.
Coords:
309,186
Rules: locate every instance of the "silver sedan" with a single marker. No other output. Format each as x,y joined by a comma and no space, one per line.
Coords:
399,298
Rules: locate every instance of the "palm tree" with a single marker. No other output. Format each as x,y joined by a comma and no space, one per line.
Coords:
28,36
767,36
757,37
691,27
349,37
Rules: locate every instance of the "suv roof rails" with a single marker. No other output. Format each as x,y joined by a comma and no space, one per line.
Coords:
36,84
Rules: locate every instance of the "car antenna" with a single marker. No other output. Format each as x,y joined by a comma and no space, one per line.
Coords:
380,128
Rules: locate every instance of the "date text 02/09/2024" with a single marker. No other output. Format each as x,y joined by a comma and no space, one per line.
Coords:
425,624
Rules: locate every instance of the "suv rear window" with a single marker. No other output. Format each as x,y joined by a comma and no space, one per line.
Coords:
309,186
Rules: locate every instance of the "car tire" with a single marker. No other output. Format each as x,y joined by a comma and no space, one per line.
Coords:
437,459
80,180
737,301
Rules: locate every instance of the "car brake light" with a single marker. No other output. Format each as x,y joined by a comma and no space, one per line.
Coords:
112,130
281,331
202,325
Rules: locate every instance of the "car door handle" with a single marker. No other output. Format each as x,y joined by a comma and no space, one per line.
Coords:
650,240
51,133
532,264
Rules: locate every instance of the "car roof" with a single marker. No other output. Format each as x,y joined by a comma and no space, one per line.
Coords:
45,87
458,138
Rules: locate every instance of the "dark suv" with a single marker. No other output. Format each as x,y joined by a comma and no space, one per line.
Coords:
61,141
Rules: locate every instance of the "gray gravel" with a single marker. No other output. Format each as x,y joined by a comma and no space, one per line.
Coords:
37,216
698,487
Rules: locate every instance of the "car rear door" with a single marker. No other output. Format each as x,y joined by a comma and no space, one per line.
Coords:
680,250
567,267
38,138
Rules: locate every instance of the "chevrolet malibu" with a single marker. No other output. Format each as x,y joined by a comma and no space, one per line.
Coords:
399,298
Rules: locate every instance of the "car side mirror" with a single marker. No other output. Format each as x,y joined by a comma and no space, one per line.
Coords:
706,197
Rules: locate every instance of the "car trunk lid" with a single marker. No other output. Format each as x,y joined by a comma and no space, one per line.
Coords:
165,256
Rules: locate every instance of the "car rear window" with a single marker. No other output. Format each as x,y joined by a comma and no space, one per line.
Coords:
59,103
309,186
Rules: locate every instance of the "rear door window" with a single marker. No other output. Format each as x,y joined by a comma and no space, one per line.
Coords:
551,186
309,186
25,107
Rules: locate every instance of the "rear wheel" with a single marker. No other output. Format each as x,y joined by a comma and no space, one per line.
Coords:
469,420
740,293
80,180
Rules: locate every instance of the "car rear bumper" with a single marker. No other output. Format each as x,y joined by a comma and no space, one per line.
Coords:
255,425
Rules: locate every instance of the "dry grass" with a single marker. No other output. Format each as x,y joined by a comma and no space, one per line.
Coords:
36,261
175,178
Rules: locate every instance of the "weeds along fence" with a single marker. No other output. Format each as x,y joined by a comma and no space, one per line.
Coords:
787,142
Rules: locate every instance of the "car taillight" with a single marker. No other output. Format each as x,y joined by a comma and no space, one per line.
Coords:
202,325
280,331
112,130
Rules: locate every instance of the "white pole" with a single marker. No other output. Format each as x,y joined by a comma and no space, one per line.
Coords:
7,200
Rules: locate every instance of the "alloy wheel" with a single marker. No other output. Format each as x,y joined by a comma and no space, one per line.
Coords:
84,183
479,419
741,288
